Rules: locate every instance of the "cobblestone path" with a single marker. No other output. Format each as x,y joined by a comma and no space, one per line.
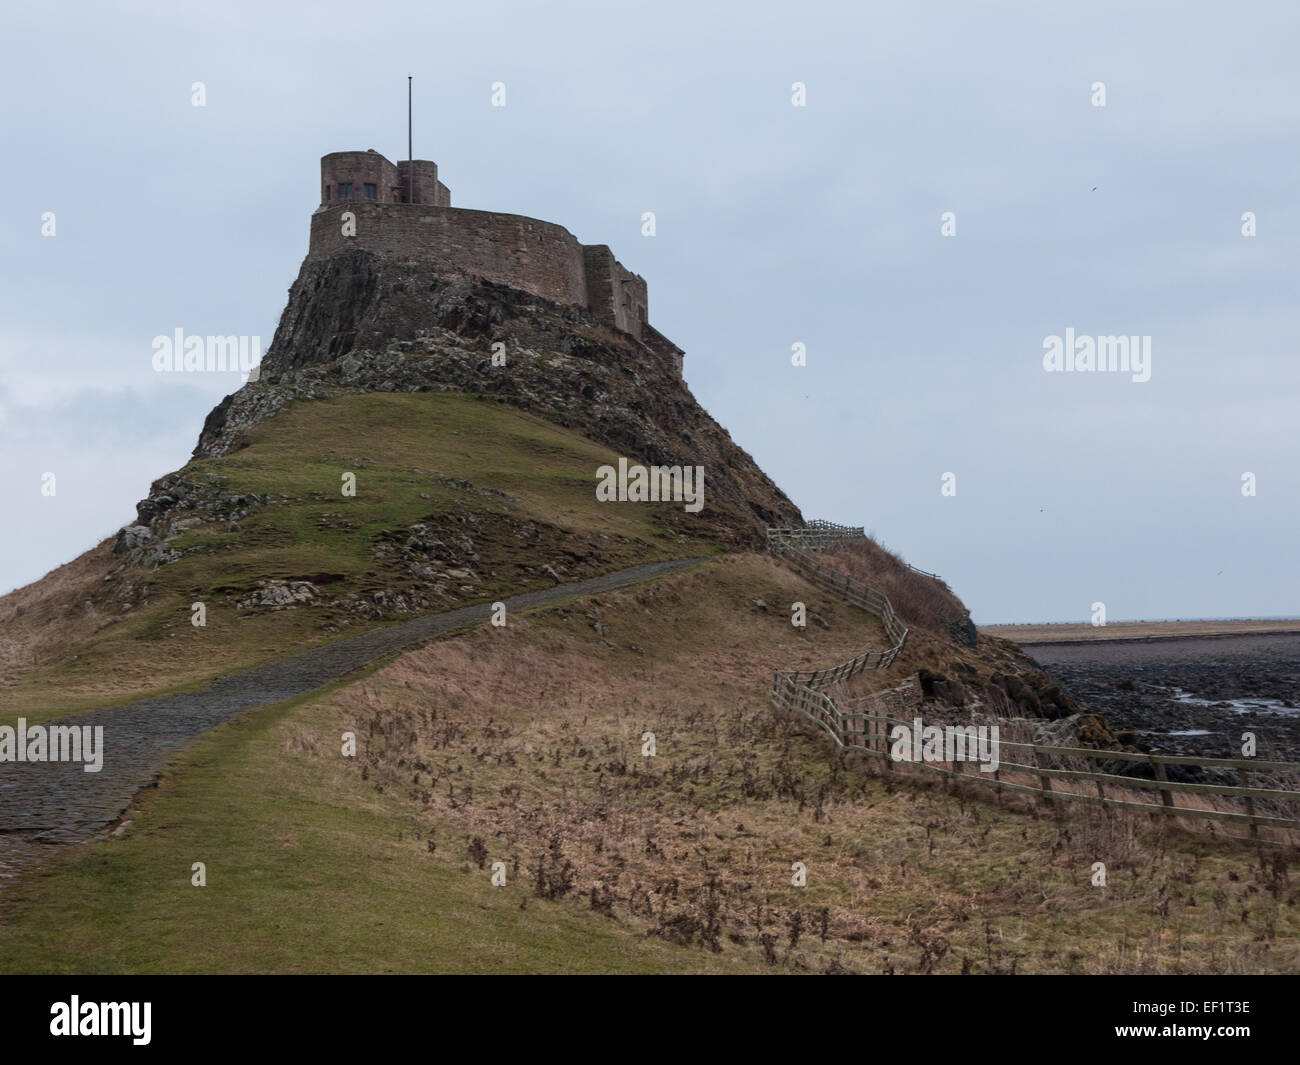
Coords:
45,803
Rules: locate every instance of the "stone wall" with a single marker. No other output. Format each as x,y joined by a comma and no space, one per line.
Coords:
663,347
614,293
358,168
537,257
425,188
389,179
598,262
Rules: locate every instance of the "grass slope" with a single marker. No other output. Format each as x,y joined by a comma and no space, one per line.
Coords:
524,745
520,488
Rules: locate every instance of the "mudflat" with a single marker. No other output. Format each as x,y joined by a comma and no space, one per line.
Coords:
1194,694
1073,632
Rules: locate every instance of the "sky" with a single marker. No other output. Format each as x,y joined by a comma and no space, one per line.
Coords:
1091,163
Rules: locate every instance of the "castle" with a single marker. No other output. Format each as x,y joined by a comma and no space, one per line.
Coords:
402,210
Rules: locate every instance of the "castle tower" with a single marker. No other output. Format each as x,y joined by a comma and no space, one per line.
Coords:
368,176
527,254
424,185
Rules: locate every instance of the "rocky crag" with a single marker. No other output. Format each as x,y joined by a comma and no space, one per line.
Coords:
361,322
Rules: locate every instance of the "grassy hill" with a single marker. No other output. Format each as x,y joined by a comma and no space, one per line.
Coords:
524,745
500,495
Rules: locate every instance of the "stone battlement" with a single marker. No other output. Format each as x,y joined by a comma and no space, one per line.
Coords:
392,219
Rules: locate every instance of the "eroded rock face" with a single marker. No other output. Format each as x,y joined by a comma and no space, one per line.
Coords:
174,505
428,559
1015,686
132,538
963,631
361,323
277,595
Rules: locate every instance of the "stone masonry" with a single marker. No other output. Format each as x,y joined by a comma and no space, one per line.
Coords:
368,204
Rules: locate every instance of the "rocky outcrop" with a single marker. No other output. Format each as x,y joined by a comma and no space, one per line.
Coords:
1014,684
357,322
963,631
175,504
277,595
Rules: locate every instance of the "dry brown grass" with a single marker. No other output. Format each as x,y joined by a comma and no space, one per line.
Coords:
40,620
523,745
916,598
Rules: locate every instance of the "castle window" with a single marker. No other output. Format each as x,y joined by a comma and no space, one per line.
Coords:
345,190
327,193
370,191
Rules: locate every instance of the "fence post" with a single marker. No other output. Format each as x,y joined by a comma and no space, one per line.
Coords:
1244,774
1044,783
1158,767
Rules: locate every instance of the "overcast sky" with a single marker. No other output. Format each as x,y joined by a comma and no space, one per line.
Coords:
776,225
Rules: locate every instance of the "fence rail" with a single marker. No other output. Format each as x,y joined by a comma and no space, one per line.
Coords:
794,545
862,724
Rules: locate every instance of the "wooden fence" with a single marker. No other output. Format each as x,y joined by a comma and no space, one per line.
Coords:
794,546
827,534
864,724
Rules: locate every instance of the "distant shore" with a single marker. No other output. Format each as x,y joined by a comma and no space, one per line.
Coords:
1083,632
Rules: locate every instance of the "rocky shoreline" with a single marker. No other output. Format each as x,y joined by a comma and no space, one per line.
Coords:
1192,695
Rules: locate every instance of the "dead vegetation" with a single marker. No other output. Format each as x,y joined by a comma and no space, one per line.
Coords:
525,745
40,619
915,597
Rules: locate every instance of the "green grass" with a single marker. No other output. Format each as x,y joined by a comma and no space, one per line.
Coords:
319,863
396,445
308,870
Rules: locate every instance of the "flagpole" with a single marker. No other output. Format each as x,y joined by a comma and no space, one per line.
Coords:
410,154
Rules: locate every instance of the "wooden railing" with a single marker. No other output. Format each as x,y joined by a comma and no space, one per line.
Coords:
863,724
794,547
